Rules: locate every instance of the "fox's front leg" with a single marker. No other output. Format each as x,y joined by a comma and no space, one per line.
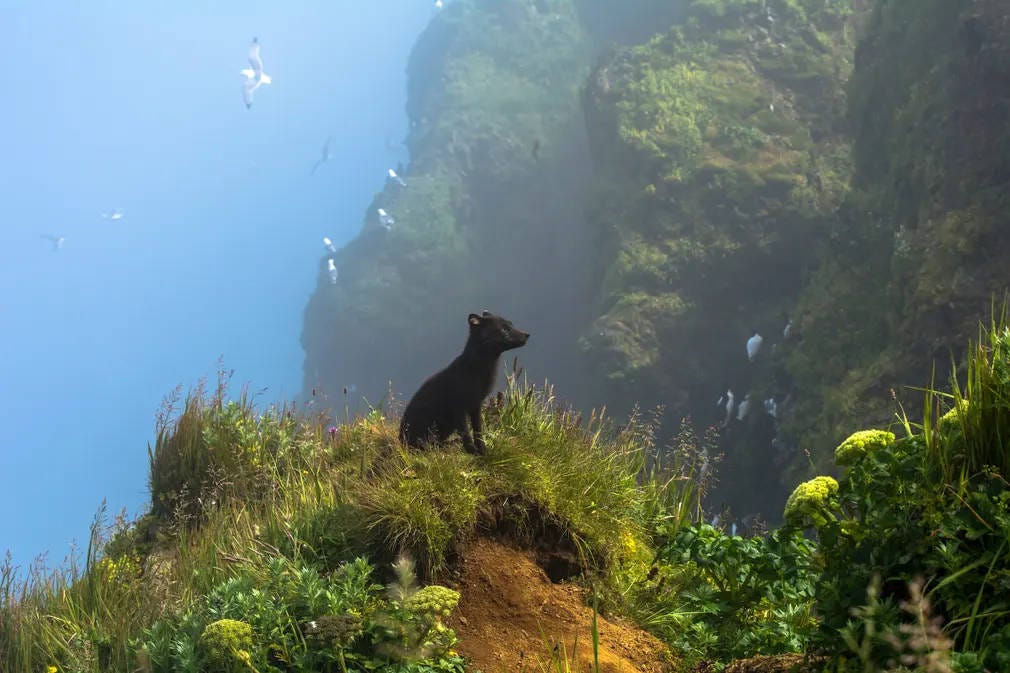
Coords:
478,430
459,421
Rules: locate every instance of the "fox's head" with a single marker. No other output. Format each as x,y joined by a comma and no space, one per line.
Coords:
494,334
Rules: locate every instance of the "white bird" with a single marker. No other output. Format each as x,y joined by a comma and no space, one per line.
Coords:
323,159
254,76
332,269
115,214
329,244
772,407
754,346
438,4
57,241
386,220
730,403
788,329
394,176
744,408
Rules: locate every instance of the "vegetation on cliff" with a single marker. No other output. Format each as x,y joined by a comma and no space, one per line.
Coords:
493,104
919,249
721,160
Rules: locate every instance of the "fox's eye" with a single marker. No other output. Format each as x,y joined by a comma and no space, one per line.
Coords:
505,331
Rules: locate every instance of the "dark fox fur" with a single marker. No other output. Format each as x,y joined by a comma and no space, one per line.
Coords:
443,403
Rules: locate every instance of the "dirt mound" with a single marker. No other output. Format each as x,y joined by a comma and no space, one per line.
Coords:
508,606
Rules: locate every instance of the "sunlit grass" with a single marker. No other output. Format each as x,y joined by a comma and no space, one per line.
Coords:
234,489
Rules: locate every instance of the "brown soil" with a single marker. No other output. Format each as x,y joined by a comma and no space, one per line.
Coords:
508,606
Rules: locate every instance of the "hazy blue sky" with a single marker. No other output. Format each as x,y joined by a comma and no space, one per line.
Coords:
138,106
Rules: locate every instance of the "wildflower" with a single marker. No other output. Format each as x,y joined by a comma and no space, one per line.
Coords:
860,443
951,421
332,430
433,601
51,669
810,501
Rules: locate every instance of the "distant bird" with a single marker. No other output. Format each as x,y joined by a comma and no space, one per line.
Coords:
329,244
57,241
254,76
754,346
744,408
788,329
730,403
332,269
386,221
397,178
115,214
323,159
772,407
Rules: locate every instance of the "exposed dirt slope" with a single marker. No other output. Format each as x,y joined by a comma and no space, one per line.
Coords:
507,602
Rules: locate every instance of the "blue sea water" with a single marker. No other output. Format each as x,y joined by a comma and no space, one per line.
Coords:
138,106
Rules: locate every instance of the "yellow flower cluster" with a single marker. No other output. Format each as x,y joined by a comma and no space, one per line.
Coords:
860,443
434,601
119,569
226,644
809,500
951,421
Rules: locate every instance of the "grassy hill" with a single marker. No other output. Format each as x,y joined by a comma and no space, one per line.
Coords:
278,541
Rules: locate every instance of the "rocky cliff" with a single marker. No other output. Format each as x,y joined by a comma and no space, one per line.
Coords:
645,189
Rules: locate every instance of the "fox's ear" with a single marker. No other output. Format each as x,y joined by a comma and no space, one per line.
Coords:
485,313
474,320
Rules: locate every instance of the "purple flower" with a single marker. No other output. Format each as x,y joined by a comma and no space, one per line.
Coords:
333,432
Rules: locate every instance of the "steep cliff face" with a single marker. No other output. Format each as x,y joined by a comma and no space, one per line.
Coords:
921,246
721,161
644,189
490,216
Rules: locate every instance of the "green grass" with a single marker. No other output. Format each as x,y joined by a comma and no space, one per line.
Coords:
236,491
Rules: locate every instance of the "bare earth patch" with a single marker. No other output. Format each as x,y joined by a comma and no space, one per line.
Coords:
508,605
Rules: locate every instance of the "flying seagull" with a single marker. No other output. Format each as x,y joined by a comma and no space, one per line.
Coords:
115,214
397,178
57,241
254,76
323,159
